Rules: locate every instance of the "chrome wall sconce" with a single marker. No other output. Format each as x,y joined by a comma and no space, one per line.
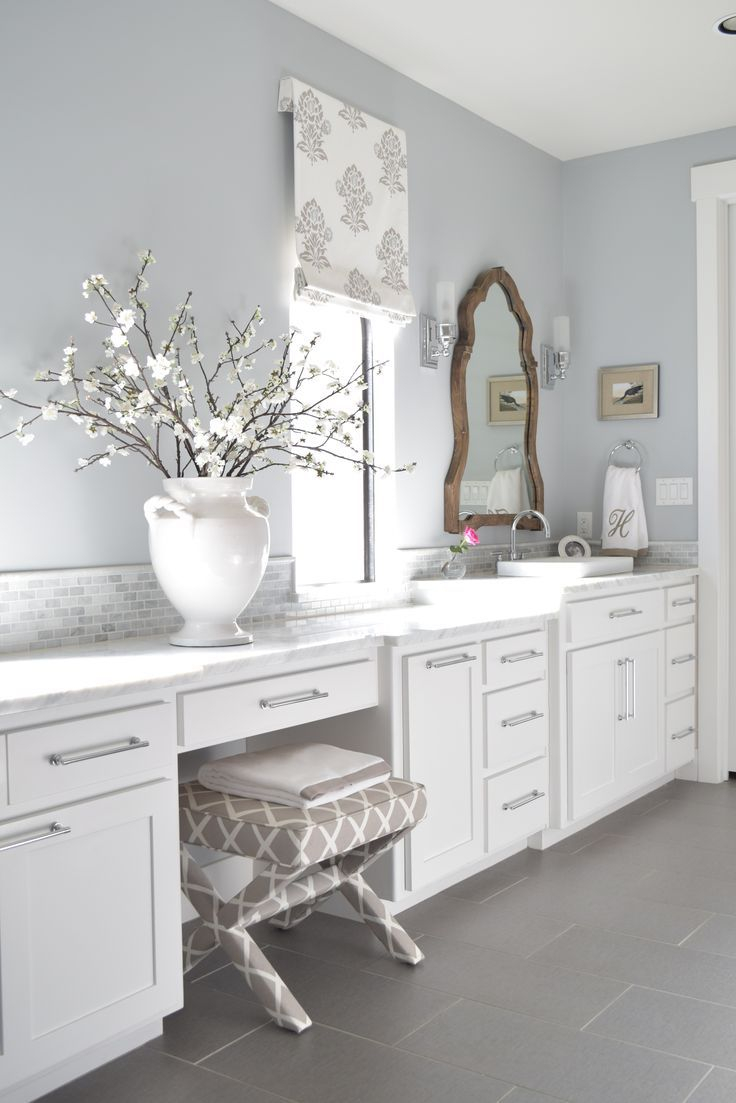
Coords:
554,361
438,335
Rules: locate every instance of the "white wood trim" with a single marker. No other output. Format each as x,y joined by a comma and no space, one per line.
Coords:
713,189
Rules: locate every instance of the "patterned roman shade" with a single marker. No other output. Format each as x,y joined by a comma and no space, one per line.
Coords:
351,206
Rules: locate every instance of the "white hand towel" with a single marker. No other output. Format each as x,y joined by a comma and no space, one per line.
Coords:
303,776
624,521
504,493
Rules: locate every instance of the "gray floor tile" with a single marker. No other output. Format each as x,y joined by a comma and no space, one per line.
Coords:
604,904
327,1066
521,1095
685,972
724,793
630,851
672,1024
719,1086
670,829
553,1059
342,941
208,1020
490,881
709,893
363,1003
717,936
145,1076
506,980
500,924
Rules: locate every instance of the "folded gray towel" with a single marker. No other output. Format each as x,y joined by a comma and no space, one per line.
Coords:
304,775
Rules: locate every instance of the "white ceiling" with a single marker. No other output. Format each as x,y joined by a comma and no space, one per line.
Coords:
573,77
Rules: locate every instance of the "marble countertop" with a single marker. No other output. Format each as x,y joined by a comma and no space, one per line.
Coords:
68,675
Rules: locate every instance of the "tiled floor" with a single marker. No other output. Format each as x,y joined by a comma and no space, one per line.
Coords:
601,971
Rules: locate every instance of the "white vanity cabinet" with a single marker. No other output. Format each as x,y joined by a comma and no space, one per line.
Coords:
474,730
89,896
627,693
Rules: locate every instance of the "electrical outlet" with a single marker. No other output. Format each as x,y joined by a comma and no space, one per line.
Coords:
585,525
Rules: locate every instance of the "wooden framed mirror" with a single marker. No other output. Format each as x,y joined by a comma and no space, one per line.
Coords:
494,393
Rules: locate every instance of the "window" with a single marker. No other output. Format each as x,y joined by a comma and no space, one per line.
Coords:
336,518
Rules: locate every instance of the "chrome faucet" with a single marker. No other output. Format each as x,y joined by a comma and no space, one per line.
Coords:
514,555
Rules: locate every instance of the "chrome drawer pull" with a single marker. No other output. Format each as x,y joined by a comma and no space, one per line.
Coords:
683,659
683,601
133,744
55,829
523,719
294,699
512,805
522,656
437,664
616,613
684,733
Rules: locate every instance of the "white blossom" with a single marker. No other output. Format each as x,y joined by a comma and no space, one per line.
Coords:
130,368
117,338
50,412
90,317
159,366
125,319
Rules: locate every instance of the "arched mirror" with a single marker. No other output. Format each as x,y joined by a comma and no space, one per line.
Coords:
494,473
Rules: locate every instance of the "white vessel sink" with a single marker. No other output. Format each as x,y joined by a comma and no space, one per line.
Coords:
565,569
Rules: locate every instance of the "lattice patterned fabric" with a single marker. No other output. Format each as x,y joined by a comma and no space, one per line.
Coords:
309,854
297,836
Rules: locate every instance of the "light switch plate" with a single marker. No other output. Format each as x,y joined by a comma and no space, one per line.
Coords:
675,491
585,525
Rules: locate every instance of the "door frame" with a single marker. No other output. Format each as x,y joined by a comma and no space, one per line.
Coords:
713,190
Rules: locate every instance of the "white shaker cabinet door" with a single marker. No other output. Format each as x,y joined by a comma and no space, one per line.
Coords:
89,926
444,740
640,751
594,702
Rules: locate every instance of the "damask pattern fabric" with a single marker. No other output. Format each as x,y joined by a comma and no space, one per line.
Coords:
351,205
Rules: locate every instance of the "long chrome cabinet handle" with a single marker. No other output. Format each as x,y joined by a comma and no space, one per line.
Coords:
616,613
625,664
631,713
512,805
683,734
683,601
55,829
525,717
522,656
683,659
437,664
133,744
294,699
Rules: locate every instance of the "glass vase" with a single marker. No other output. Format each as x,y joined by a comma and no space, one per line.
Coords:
454,567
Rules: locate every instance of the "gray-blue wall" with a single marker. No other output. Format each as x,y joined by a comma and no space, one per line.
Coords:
155,124
629,259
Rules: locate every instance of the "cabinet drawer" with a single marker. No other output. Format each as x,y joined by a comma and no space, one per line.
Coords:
517,804
612,618
516,726
210,716
682,602
511,660
54,759
681,733
680,659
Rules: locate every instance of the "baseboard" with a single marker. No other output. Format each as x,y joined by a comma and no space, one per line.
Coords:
77,1066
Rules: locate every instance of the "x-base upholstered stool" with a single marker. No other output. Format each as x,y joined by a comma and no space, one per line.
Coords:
309,854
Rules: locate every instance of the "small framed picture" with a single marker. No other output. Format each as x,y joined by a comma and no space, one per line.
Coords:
507,399
628,391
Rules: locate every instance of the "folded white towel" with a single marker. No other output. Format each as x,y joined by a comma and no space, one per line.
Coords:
624,521
305,775
505,492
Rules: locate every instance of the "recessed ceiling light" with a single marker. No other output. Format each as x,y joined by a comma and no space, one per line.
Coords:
727,25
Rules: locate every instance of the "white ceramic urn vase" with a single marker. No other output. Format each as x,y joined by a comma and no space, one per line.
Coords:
209,546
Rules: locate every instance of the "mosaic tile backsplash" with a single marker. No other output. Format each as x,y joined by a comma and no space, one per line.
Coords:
48,609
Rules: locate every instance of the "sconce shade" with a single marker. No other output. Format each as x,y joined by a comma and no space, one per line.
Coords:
561,332
445,301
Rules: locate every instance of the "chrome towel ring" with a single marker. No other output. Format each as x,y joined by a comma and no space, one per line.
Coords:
632,446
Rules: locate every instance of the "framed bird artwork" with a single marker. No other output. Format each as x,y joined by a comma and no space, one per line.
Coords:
628,391
508,398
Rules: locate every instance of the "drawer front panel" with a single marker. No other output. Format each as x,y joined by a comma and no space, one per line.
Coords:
682,602
517,804
680,732
680,659
511,660
237,711
612,618
516,726
55,759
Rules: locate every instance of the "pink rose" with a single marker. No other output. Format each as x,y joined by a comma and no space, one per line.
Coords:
471,536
